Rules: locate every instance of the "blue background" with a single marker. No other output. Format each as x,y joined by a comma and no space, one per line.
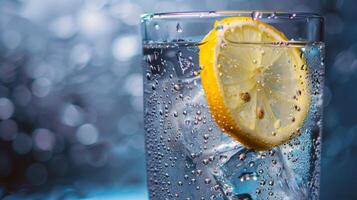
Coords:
71,95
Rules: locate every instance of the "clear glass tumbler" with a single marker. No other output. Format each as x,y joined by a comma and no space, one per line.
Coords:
233,104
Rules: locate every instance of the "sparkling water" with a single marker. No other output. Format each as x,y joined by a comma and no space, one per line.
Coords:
189,157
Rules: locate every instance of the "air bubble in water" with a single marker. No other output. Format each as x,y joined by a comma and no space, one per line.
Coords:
292,16
272,15
148,76
179,28
256,15
219,27
157,26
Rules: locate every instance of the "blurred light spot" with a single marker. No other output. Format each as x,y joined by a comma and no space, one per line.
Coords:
36,174
72,115
334,24
87,134
137,103
217,5
5,165
94,23
339,4
41,155
22,95
120,70
63,27
125,47
134,85
11,39
6,108
129,13
167,6
327,96
81,54
343,62
331,118
78,154
36,69
128,124
350,136
98,156
60,143
354,67
334,144
41,87
44,139
4,91
8,72
59,165
8,130
96,4
22,144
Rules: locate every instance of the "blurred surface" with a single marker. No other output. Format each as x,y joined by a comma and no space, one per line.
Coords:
71,95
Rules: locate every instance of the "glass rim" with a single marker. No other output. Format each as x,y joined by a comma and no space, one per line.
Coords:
261,14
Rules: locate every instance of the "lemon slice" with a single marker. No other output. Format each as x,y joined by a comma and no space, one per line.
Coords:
257,92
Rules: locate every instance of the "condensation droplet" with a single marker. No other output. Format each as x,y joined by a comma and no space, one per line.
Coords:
207,180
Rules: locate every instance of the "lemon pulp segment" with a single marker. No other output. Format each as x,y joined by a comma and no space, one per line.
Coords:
257,92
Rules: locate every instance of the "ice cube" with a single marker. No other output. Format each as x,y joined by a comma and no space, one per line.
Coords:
265,173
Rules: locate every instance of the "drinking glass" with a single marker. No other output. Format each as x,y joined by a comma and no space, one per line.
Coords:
189,154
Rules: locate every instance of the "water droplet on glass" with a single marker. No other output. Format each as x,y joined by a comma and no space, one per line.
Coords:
206,136
177,87
262,182
207,180
242,156
247,176
205,161
271,183
242,197
175,114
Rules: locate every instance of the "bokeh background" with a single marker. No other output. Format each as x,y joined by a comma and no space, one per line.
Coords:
71,95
